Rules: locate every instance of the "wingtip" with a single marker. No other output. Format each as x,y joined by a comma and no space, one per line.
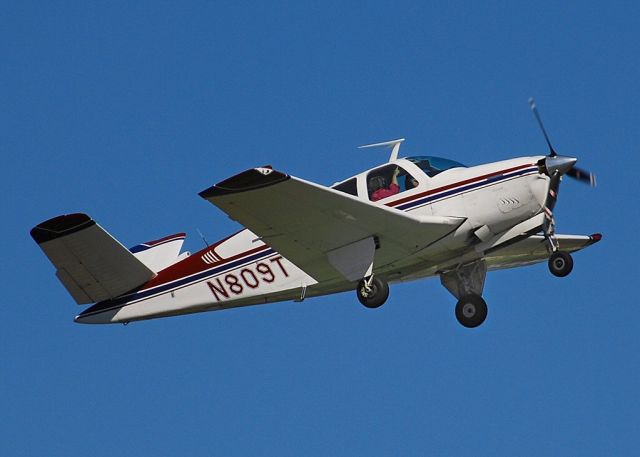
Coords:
254,178
59,226
595,237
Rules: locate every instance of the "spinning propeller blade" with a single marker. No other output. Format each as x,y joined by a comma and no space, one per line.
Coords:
534,108
582,176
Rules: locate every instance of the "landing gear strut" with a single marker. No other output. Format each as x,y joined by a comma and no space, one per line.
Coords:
466,283
560,264
372,291
471,310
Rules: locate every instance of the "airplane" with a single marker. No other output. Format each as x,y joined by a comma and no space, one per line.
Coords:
410,218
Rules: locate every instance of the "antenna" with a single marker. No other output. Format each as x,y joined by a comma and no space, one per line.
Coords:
202,236
393,143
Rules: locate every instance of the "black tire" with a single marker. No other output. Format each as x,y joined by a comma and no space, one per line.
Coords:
560,264
471,310
376,296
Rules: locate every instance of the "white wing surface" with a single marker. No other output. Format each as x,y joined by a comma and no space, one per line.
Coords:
533,249
90,263
318,228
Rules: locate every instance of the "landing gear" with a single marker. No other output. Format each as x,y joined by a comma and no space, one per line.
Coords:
560,264
372,292
466,283
471,310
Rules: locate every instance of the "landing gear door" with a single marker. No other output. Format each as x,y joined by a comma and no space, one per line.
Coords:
354,261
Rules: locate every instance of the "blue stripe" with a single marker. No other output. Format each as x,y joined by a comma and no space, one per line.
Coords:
120,302
449,193
139,248
144,246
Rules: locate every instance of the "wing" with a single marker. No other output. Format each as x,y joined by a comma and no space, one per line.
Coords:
533,249
327,233
90,263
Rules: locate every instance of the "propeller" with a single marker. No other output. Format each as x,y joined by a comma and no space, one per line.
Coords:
555,166
582,176
560,165
534,108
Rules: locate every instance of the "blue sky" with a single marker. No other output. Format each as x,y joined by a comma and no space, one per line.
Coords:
127,110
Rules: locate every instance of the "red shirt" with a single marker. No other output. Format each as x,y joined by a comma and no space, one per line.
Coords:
384,193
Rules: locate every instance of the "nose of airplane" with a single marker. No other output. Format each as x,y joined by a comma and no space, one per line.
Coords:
559,164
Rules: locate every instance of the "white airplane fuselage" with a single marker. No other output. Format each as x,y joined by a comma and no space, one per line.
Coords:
496,200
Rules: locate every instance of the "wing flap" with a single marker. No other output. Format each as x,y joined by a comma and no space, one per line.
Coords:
305,221
90,263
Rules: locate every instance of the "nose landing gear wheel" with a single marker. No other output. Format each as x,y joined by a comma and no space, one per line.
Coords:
471,310
374,293
560,264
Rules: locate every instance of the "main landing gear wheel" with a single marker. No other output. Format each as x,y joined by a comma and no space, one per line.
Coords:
560,264
471,310
372,293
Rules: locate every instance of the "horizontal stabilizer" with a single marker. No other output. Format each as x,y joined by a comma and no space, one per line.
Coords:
159,254
90,263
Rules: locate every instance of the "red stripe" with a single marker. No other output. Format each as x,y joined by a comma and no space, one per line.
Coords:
166,238
194,264
461,183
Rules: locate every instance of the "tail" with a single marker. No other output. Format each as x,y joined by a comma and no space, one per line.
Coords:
92,265
159,254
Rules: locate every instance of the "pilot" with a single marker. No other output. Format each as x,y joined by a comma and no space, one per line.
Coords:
378,184
410,182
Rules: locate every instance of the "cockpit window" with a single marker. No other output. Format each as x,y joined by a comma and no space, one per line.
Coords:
434,165
348,187
389,180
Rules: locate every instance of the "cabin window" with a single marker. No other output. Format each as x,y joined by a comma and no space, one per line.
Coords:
389,180
348,187
433,165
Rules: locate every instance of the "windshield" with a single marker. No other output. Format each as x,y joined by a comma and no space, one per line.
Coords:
434,165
